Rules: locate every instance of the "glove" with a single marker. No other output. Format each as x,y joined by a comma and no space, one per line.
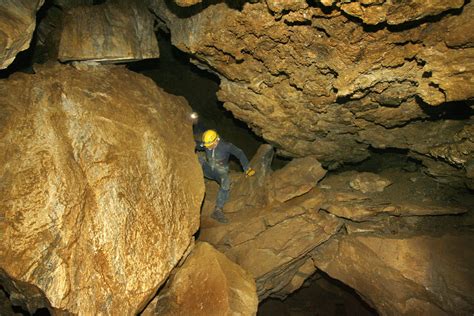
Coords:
249,172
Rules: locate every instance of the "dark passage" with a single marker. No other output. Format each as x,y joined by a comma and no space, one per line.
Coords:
319,296
175,74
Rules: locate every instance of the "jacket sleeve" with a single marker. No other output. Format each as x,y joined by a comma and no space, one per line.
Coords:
237,152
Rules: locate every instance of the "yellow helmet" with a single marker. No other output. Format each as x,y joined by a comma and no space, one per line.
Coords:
210,138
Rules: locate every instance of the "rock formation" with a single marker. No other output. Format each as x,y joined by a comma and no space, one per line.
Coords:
207,283
319,79
100,189
17,23
284,239
418,275
111,32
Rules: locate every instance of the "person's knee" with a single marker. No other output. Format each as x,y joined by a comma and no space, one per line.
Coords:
225,183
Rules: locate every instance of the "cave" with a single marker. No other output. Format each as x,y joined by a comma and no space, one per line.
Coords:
356,118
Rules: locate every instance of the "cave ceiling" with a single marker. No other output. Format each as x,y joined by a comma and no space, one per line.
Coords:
334,79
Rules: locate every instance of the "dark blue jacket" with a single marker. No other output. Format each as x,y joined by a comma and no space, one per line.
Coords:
220,155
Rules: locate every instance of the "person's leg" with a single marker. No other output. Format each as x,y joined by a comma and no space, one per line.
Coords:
224,190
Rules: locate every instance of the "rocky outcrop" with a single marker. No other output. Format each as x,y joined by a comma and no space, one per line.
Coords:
270,235
312,79
327,224
110,32
17,23
100,189
400,275
207,283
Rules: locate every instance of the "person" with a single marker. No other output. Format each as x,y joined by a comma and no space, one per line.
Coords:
216,167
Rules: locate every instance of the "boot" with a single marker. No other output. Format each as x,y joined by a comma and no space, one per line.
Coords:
219,216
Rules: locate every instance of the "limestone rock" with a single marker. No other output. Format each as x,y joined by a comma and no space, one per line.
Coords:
110,32
207,283
271,239
273,243
393,12
422,275
402,198
314,82
17,23
296,178
100,189
187,3
366,182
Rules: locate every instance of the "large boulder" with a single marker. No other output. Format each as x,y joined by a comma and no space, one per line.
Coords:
17,24
110,32
207,283
100,189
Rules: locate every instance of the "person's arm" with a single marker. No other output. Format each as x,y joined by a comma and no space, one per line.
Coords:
237,152
199,146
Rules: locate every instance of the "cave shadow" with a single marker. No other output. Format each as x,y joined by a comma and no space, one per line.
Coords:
320,295
454,110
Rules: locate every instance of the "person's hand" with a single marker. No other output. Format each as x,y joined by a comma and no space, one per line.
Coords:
250,172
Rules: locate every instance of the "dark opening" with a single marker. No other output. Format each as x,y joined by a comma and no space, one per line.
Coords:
457,110
174,73
319,295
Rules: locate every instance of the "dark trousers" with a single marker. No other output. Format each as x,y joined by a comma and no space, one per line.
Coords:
220,174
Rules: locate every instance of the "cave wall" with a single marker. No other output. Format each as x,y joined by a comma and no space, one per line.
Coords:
17,24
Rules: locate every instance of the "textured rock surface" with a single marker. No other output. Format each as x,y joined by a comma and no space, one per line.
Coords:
399,275
100,188
393,12
111,32
207,283
17,23
366,182
284,243
269,236
313,81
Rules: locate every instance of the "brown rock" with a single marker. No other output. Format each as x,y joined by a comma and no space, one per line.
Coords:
313,82
271,239
111,32
187,3
100,188
295,179
420,275
17,23
207,283
392,12
402,198
366,182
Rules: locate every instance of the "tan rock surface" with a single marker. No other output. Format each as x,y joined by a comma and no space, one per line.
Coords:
100,189
207,283
366,182
187,3
315,82
422,275
17,23
393,12
110,32
271,239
